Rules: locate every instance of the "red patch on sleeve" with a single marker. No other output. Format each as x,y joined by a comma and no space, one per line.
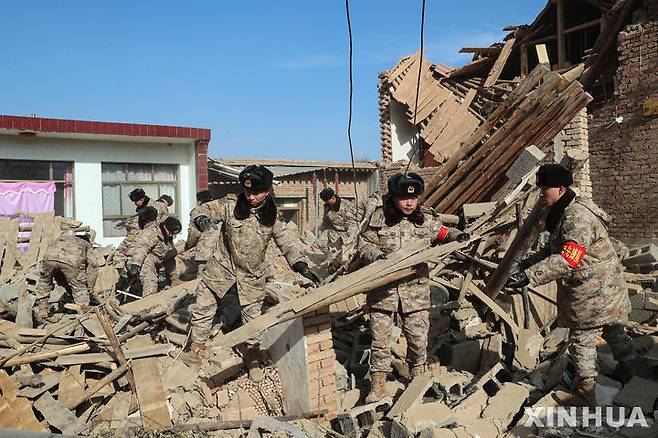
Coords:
573,253
443,232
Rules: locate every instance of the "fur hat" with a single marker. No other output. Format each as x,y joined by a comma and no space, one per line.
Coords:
203,196
137,194
172,224
410,184
168,199
554,175
326,194
256,177
146,215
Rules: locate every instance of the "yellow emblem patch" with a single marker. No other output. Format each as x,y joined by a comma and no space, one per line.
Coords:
573,253
411,189
247,183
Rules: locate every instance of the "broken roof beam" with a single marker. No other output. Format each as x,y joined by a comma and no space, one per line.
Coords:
497,69
487,50
472,67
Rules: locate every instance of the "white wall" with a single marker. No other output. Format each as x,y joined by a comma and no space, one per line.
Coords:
88,155
402,133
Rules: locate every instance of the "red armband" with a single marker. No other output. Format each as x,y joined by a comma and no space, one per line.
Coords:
441,235
573,253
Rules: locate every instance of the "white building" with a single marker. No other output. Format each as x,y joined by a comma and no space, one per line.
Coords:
96,164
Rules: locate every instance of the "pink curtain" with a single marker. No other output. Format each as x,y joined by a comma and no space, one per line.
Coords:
30,197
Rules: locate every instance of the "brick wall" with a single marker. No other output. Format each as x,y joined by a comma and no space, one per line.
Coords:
321,360
573,136
624,142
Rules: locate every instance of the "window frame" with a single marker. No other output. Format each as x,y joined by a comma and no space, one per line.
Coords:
142,184
50,176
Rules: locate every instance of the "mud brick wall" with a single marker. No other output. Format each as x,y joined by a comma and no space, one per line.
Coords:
624,142
321,360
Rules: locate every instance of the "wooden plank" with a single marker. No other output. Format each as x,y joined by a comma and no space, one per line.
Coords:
58,416
8,419
561,40
21,407
472,288
49,233
542,55
49,381
497,68
130,353
472,67
39,357
150,393
485,50
71,385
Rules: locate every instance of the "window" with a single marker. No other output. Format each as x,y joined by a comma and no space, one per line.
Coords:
61,172
119,179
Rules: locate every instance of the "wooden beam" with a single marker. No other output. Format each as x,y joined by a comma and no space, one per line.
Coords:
542,55
561,41
497,69
582,26
77,348
487,50
97,387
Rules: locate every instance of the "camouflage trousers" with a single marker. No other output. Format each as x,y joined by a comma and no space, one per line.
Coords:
75,277
209,301
148,274
415,326
583,347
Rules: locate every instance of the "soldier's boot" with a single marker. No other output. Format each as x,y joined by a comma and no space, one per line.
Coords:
584,395
378,387
417,370
195,354
251,358
41,310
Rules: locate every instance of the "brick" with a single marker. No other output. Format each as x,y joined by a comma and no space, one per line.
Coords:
319,337
326,354
317,320
313,348
330,398
326,345
324,390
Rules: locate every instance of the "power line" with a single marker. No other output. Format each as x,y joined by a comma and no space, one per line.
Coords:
420,69
349,121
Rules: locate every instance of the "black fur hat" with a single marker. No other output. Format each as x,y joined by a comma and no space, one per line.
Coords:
146,215
137,194
172,224
168,199
554,175
326,194
203,196
256,177
410,184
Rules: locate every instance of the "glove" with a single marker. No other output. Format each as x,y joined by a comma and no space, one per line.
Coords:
382,256
462,237
203,223
133,270
302,268
517,278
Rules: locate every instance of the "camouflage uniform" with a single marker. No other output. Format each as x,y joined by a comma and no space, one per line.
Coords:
408,298
334,222
151,250
203,241
357,215
132,230
240,260
592,297
71,256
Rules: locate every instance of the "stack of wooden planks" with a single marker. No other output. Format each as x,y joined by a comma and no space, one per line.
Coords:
534,113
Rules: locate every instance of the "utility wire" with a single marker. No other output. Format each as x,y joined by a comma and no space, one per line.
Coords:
420,69
349,121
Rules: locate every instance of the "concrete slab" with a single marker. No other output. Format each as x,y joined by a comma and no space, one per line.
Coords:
506,403
639,392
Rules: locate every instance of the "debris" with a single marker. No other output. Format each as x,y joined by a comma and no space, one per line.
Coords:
639,392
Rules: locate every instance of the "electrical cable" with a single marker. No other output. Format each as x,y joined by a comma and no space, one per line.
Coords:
420,69
349,121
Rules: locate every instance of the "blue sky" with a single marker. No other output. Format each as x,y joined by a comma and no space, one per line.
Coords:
268,77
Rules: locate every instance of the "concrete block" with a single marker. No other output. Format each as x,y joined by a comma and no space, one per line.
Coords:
486,427
641,255
528,345
492,351
412,395
475,210
506,403
422,417
461,356
353,422
651,301
471,407
606,390
527,161
452,383
639,392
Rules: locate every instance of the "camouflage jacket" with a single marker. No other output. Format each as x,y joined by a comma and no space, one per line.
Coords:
384,236
583,259
203,242
358,214
72,250
245,235
334,220
150,240
132,223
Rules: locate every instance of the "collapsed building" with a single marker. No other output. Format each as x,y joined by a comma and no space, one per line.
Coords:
535,97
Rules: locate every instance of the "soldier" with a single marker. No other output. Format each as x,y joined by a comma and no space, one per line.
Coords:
205,241
584,260
247,226
152,249
72,256
401,220
333,221
141,200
